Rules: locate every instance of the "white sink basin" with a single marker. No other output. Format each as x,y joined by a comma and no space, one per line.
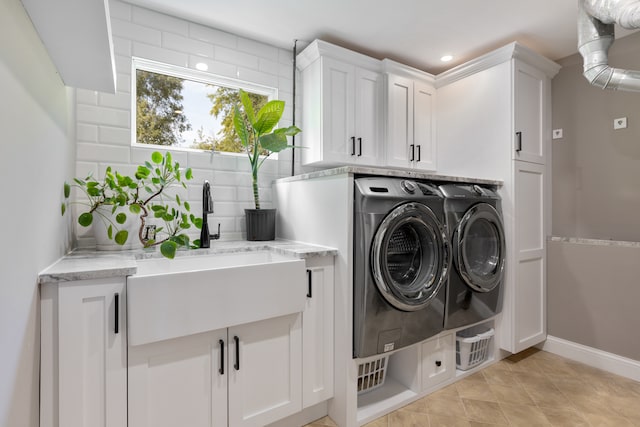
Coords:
192,294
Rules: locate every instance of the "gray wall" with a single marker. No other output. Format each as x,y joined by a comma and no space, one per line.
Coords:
593,289
37,155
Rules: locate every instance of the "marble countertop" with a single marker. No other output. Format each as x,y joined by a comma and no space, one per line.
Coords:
361,170
594,242
91,264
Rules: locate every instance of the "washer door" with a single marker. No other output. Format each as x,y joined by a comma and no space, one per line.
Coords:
479,248
410,256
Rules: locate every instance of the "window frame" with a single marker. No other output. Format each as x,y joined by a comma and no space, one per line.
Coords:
185,73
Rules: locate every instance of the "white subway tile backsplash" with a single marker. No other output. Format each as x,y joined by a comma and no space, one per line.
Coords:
135,32
150,18
184,44
159,54
258,48
285,56
104,120
103,153
102,115
113,135
211,35
234,57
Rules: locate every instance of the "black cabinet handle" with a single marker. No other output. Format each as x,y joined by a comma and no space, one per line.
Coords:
413,152
309,283
236,365
221,369
353,145
116,323
438,363
518,142
359,147
418,146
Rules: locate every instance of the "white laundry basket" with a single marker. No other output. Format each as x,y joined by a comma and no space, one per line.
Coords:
473,346
371,373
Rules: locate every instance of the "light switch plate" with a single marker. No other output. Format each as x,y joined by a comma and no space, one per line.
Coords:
557,134
620,123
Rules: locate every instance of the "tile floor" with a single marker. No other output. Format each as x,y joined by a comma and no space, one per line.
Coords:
533,389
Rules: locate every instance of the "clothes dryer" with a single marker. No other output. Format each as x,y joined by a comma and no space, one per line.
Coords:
476,232
401,263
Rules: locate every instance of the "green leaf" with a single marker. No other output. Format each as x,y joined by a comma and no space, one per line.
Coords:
79,181
274,142
110,232
121,218
269,116
178,200
197,222
142,172
187,206
121,237
188,174
93,191
85,219
196,244
240,127
168,249
63,209
135,208
168,159
248,106
290,131
67,190
156,157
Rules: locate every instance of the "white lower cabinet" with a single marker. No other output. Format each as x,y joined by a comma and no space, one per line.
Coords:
317,333
83,376
253,371
438,360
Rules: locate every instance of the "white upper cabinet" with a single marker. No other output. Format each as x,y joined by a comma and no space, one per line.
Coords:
531,89
410,126
341,114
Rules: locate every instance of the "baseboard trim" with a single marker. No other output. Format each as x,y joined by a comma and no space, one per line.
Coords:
593,357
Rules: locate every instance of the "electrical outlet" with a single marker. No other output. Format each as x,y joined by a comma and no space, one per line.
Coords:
620,123
557,134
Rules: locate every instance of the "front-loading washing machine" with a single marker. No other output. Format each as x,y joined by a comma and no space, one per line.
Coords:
476,232
401,262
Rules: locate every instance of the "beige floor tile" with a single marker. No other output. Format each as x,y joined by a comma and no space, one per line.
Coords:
379,422
326,421
419,405
449,391
547,395
444,405
498,375
600,420
592,404
628,407
448,421
475,388
402,418
524,415
511,394
527,365
564,417
484,412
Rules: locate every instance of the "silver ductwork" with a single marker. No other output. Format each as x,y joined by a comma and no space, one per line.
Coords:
596,19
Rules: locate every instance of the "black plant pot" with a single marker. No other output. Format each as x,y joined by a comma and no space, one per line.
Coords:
261,224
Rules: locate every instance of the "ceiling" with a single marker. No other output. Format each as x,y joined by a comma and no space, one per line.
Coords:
413,32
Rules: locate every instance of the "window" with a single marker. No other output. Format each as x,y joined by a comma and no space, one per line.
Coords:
188,109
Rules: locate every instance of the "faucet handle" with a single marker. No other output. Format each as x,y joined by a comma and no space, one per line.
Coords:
207,200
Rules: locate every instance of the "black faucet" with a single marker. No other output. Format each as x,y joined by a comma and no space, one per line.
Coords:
207,208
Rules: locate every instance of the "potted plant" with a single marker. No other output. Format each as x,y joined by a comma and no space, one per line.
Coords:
116,196
260,137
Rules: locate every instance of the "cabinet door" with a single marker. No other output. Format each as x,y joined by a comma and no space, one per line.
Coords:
529,321
338,93
265,362
92,353
368,102
317,334
438,360
400,149
179,382
424,126
530,93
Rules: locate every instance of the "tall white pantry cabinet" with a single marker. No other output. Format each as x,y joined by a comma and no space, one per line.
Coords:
494,122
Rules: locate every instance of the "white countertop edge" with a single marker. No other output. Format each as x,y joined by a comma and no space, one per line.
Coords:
401,173
90,264
594,242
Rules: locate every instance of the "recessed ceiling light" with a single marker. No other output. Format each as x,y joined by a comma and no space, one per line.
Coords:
202,66
446,58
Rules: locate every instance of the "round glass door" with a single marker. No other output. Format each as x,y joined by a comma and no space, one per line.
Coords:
479,248
410,256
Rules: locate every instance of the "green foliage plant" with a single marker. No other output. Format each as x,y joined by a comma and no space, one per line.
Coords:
143,196
258,134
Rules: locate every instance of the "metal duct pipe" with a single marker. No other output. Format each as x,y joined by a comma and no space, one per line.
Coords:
596,20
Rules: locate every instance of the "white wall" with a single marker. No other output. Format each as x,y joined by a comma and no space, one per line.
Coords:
37,155
104,120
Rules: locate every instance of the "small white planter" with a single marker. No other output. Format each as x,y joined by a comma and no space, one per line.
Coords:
100,226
